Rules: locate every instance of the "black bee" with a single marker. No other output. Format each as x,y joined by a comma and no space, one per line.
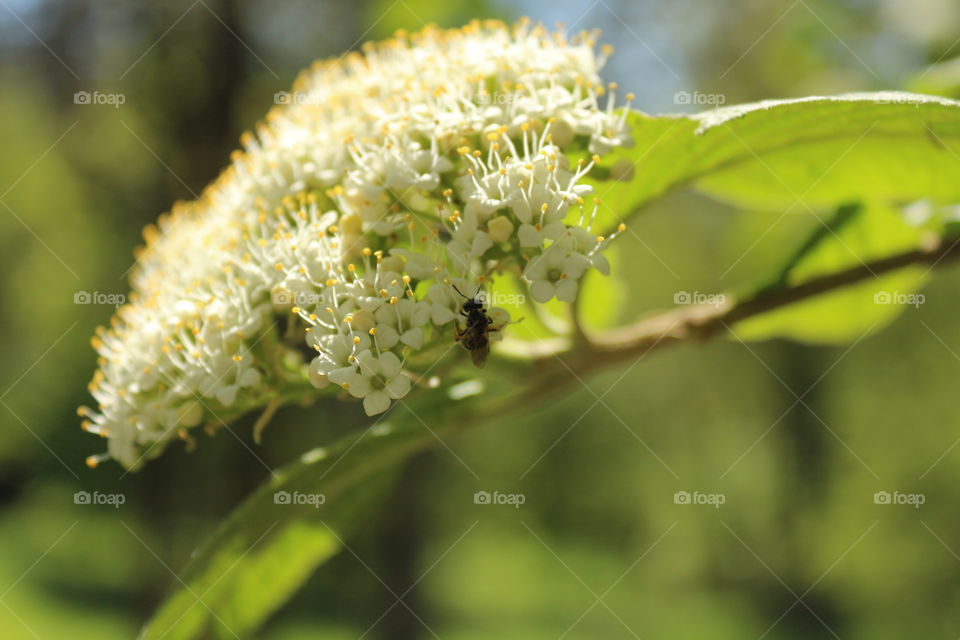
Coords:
475,337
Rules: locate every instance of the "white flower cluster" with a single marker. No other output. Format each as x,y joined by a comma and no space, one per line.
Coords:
427,162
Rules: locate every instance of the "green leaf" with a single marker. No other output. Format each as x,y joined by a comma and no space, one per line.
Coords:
854,236
264,551
601,296
889,146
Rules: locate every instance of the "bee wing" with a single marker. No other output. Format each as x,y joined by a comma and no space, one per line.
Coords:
479,355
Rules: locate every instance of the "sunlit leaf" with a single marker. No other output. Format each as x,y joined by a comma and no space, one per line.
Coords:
807,152
855,236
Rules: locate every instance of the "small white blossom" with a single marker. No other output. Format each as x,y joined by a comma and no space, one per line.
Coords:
376,379
556,273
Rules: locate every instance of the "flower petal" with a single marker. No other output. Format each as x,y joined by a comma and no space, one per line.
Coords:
413,338
389,364
567,290
376,402
398,387
542,290
529,236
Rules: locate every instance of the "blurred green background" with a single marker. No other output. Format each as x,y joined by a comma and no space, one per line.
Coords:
599,549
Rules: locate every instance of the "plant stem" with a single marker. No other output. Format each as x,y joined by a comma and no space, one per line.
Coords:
700,322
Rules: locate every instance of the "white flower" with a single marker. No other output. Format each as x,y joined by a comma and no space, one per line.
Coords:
555,273
348,216
378,380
